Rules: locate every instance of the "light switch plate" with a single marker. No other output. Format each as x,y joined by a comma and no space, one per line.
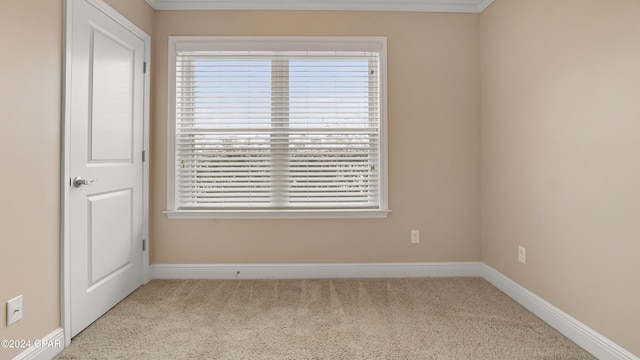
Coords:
14,310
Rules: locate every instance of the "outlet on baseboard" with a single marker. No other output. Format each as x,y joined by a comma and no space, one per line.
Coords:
522,254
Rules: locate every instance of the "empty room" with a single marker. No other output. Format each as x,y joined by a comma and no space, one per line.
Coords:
303,179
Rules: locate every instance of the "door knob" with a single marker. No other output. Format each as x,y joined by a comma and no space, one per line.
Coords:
79,181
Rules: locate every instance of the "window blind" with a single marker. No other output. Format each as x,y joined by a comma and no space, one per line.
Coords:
277,129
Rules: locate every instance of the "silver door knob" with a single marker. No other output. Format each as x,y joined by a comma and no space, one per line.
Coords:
79,181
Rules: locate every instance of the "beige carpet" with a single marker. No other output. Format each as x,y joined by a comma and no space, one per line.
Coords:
417,318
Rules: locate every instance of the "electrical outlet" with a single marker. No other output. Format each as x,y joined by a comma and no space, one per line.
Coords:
14,310
415,236
522,254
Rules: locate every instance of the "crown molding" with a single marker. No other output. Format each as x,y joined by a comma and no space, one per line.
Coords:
483,4
455,6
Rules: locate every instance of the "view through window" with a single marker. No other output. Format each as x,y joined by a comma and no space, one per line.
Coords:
278,129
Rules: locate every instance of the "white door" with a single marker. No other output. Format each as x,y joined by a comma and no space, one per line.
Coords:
105,197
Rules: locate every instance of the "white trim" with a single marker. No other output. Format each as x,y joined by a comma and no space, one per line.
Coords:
277,43
457,6
483,5
314,271
277,214
45,348
284,43
65,275
171,122
147,151
384,130
581,334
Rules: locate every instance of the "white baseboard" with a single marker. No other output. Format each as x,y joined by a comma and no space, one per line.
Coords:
581,334
45,348
313,271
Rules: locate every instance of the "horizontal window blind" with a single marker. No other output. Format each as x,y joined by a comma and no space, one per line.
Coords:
277,129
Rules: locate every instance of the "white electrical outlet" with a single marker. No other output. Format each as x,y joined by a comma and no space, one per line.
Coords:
415,236
14,310
522,254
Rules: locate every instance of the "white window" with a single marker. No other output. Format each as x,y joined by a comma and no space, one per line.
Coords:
277,127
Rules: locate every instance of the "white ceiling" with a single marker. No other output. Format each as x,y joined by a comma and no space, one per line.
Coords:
461,6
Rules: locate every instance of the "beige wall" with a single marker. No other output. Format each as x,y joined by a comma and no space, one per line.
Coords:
30,94
433,86
31,34
560,155
560,130
138,11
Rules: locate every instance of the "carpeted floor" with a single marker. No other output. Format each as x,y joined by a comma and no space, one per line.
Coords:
415,318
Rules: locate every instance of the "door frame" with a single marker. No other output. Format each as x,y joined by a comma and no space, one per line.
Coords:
65,272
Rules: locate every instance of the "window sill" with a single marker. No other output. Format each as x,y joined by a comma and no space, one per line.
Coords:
277,214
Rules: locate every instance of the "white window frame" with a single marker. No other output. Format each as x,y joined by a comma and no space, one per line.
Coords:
275,43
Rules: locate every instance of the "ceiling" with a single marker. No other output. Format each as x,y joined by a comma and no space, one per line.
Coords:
459,6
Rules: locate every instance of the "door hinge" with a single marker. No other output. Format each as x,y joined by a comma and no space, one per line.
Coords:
144,245
144,156
144,67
